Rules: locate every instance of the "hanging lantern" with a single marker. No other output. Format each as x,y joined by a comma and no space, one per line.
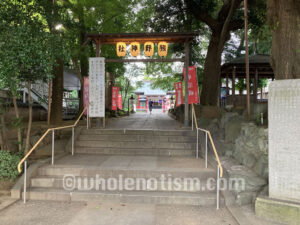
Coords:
135,48
149,49
162,48
121,49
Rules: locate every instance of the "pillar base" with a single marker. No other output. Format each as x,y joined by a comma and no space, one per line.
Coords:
276,210
186,123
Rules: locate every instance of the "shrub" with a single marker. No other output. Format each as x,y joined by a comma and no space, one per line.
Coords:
8,164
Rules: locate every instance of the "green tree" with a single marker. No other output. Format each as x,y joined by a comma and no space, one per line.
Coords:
89,16
27,53
52,12
222,17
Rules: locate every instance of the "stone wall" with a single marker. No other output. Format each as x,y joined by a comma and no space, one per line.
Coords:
243,147
36,132
251,148
250,151
38,114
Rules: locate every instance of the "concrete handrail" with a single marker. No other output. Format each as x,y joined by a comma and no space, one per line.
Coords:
45,134
211,141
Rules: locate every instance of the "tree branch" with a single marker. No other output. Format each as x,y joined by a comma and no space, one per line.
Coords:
204,17
211,22
236,24
225,10
225,29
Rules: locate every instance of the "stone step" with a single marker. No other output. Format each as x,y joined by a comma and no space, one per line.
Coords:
188,185
134,145
139,132
140,151
145,197
107,172
137,138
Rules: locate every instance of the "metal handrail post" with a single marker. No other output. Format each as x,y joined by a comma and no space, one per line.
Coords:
206,150
197,153
193,119
73,128
218,188
87,119
44,135
53,136
25,181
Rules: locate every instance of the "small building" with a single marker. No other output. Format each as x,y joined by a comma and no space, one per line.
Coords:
259,68
161,99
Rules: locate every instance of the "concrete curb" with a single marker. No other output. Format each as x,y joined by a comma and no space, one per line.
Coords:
282,211
16,191
7,203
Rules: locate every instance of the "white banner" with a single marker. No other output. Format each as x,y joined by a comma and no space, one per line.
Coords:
97,87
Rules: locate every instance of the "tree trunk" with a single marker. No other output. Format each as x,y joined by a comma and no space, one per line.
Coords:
50,90
81,96
29,119
57,95
3,133
212,70
84,62
110,82
84,70
221,28
80,77
18,118
284,19
126,92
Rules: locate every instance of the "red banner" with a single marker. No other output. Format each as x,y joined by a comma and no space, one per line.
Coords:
179,94
115,94
120,101
168,104
193,85
85,92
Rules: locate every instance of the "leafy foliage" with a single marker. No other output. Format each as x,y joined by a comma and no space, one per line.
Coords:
89,16
27,51
215,19
8,164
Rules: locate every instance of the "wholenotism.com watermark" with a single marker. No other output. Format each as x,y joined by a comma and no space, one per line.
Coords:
162,183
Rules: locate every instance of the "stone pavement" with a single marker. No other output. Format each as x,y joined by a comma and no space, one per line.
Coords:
141,120
91,213
116,213
132,162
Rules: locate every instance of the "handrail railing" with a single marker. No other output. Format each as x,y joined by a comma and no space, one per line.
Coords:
208,134
45,134
211,141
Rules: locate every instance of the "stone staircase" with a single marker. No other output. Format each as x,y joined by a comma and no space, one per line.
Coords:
143,156
136,142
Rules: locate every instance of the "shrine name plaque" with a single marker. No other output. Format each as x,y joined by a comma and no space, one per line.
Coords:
97,87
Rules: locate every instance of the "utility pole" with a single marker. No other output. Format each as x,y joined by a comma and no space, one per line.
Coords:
247,58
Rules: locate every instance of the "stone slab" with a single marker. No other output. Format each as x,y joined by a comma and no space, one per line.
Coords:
284,139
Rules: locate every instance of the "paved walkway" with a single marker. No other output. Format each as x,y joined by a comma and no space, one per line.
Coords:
141,120
91,213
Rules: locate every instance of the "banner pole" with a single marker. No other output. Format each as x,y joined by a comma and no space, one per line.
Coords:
197,85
